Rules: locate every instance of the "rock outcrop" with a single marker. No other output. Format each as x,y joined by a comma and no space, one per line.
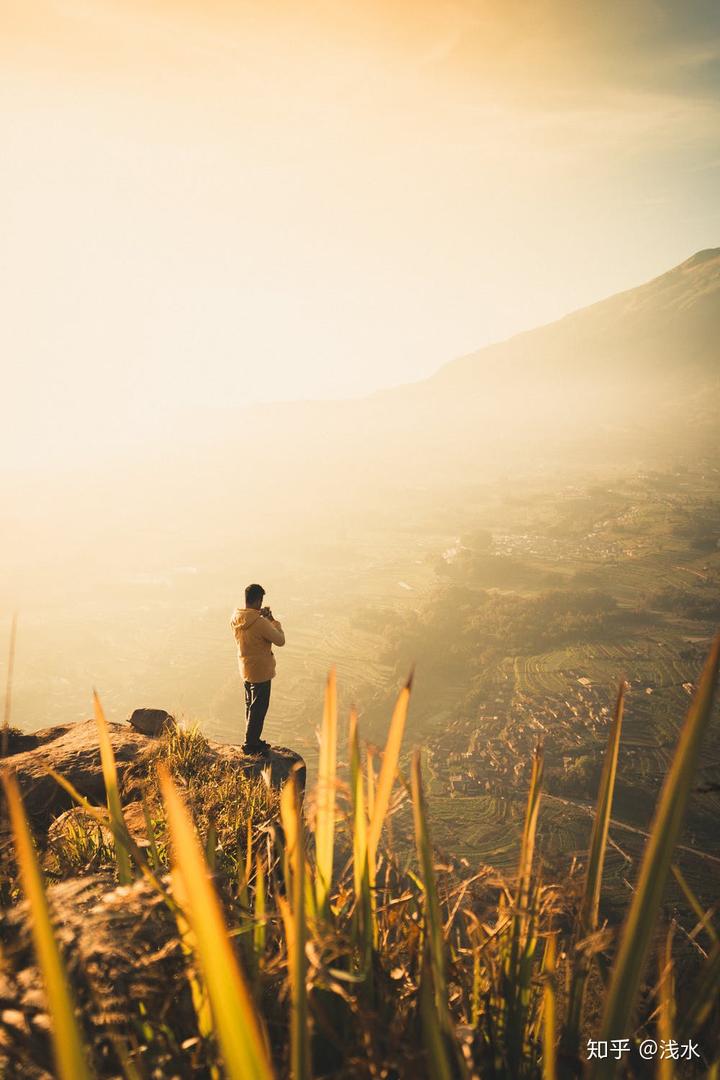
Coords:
73,751
125,961
151,721
122,953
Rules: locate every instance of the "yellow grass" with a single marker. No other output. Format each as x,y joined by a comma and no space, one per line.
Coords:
388,769
259,932
359,818
119,831
235,1019
549,1011
109,769
70,1058
293,916
325,820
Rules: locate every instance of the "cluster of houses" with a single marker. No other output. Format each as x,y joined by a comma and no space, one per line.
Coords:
467,783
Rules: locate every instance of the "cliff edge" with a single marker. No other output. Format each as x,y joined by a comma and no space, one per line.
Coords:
73,750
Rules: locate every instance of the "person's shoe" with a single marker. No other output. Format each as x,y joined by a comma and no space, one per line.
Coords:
253,749
265,745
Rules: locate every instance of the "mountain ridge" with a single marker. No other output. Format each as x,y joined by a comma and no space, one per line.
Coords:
632,377
695,281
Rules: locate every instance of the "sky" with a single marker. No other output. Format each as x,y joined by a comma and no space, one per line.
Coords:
211,204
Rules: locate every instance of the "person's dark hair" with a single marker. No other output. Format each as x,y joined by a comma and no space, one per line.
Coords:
253,593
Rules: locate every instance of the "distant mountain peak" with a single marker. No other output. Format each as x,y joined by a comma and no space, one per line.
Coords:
700,257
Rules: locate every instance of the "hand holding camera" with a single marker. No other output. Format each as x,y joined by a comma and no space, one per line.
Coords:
266,612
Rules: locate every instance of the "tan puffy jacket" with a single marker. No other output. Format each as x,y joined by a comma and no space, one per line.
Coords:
255,636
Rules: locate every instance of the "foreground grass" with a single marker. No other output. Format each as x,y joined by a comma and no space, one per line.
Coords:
305,944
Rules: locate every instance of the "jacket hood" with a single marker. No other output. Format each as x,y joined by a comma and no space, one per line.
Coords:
242,617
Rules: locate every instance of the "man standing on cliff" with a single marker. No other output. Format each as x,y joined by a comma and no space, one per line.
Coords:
256,631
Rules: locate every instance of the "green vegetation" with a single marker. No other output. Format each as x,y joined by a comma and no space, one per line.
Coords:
370,959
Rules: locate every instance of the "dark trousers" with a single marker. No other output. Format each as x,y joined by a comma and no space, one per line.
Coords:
257,699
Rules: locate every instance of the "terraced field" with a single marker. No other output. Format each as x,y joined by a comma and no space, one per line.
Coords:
650,665
654,558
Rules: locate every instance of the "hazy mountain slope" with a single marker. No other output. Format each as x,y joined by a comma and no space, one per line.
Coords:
634,376
667,328
632,380
638,371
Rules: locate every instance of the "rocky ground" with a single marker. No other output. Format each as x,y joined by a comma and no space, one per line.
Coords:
73,751
120,943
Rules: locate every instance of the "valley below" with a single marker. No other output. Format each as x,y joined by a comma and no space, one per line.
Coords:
520,609
530,526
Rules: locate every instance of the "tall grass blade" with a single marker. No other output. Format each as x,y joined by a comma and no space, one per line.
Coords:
150,831
246,927
249,848
666,1011
359,815
379,795
371,786
325,821
211,842
7,712
244,872
70,1058
363,913
527,846
601,821
518,951
236,1022
588,916
437,1023
549,1011
259,931
109,769
293,915
188,944
638,930
388,769
433,920
371,780
439,1064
